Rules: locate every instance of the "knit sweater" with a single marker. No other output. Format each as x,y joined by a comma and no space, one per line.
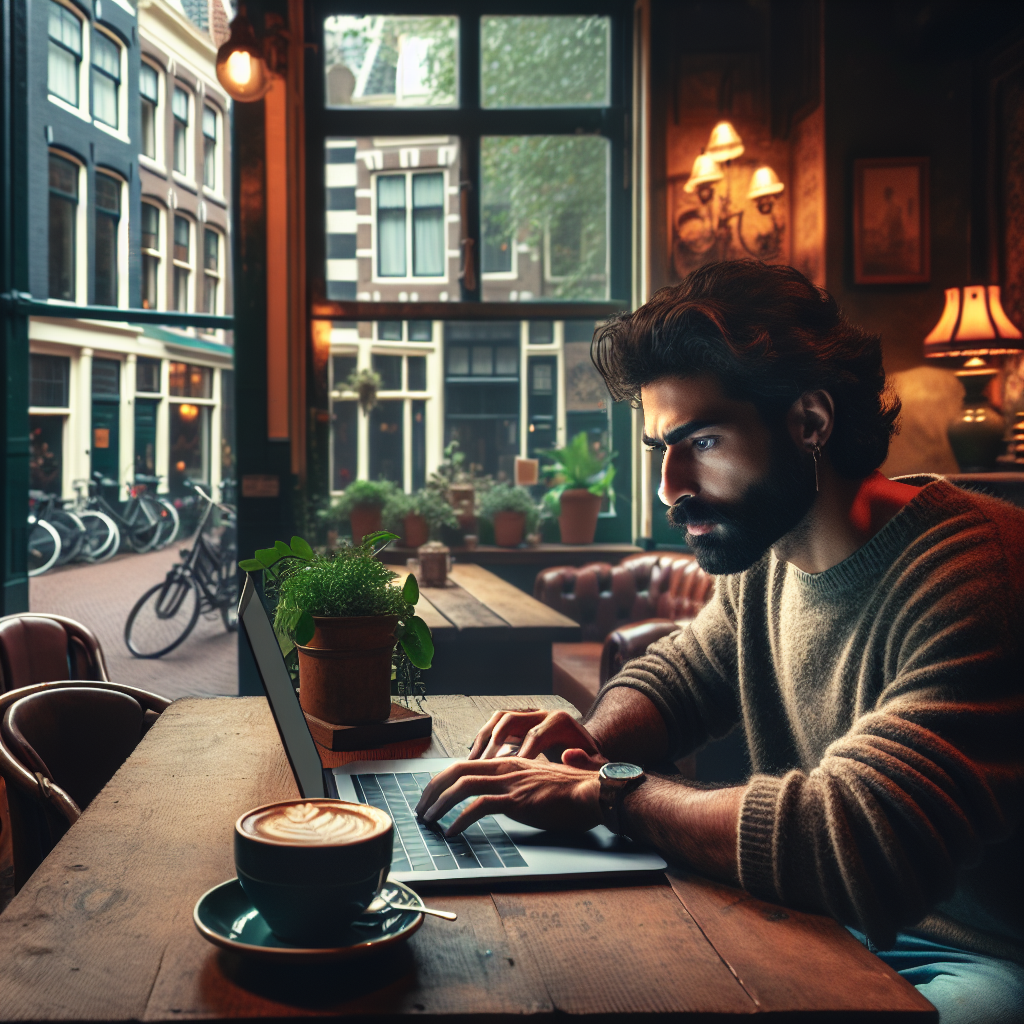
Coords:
883,702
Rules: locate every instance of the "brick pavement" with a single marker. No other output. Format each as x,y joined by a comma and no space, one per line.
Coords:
100,596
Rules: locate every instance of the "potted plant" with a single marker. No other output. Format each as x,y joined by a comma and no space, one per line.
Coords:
419,517
362,505
582,476
344,615
512,512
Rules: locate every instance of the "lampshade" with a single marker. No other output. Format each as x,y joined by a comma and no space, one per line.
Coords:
705,172
725,143
765,182
973,324
241,68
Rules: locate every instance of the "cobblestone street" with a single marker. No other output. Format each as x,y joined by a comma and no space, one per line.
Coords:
100,597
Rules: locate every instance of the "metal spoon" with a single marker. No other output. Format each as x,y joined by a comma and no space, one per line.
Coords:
380,902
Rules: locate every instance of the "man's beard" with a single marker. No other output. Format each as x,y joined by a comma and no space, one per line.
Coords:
747,528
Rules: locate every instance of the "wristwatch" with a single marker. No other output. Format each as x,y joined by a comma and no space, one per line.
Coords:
617,779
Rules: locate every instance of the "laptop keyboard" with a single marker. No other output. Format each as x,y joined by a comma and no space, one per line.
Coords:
484,844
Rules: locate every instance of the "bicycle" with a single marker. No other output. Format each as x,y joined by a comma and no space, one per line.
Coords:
44,546
139,522
70,528
170,521
205,581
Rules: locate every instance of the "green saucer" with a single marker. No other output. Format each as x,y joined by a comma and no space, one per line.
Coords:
226,917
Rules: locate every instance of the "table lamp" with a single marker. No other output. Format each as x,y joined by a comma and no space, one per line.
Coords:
972,330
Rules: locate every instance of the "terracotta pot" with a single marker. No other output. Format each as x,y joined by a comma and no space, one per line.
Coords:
416,530
509,528
365,519
578,518
345,671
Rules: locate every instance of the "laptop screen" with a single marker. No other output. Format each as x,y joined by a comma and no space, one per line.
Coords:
291,722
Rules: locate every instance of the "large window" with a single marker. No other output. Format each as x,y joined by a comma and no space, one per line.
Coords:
149,99
189,421
63,229
180,109
150,256
211,270
106,79
108,219
209,147
65,53
182,262
48,381
415,242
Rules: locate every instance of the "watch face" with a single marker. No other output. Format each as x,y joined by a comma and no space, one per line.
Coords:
622,770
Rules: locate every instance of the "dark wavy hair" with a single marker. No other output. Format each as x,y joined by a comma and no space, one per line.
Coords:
767,335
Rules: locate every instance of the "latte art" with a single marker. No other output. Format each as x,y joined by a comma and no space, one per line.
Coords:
316,823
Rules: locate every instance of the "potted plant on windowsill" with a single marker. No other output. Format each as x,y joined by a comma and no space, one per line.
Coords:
362,505
344,615
512,512
582,478
419,517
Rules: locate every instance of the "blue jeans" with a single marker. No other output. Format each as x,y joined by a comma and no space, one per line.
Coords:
966,988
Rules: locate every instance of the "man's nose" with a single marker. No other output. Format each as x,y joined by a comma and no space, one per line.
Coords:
677,480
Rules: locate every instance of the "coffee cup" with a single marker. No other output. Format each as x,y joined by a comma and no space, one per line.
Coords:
311,867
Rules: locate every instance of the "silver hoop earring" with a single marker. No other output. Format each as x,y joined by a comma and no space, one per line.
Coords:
816,455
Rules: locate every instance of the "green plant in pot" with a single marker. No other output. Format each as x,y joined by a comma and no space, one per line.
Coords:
512,512
344,614
582,478
362,505
419,517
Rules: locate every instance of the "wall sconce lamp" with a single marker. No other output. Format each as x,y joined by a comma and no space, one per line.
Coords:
974,328
243,68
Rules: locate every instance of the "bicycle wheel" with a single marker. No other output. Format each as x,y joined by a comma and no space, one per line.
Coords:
163,617
170,523
143,526
102,537
71,530
43,546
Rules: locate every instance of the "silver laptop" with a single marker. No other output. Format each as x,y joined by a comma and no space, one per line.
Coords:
494,848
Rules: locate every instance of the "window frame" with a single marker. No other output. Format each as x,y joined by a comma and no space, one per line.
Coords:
410,278
189,265
80,259
157,253
120,92
83,58
217,273
158,160
121,235
187,175
216,188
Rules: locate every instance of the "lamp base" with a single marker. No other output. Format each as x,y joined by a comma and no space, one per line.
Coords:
976,433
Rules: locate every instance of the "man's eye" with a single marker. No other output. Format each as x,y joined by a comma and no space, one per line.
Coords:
703,444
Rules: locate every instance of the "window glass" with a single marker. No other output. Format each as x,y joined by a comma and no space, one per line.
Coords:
65,53
189,381
391,225
46,453
496,254
62,233
150,226
211,250
542,332
344,367
108,208
428,225
181,239
458,361
106,377
389,330
506,361
421,330
150,260
417,370
106,64
148,93
209,147
386,441
544,61
181,283
346,442
189,436
148,82
181,105
180,108
482,360
48,380
147,375
419,444
390,60
390,370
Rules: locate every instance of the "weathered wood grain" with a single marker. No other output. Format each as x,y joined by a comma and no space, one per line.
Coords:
468,615
791,961
425,609
519,610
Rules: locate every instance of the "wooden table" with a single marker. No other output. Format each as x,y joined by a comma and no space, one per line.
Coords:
103,930
489,635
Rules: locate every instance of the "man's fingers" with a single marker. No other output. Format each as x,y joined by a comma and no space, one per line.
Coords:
512,724
440,782
558,728
484,735
467,786
475,811
574,757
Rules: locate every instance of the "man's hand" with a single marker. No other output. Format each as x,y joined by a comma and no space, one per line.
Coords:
538,732
536,793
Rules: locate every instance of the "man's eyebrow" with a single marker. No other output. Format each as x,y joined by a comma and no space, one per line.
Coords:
677,434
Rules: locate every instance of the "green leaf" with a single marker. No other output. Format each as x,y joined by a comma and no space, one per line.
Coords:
373,539
268,556
417,643
250,565
411,590
301,549
304,629
282,549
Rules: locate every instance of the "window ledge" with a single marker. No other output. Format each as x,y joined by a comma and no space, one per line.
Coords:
69,108
216,197
152,165
184,182
113,132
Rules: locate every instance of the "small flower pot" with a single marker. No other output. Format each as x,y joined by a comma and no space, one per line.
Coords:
578,518
415,530
345,671
365,519
434,561
509,528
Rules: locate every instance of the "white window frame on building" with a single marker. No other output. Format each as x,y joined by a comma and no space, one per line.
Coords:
81,234
213,276
120,295
61,412
152,255
62,20
156,104
212,428
183,266
108,74
182,130
409,212
212,133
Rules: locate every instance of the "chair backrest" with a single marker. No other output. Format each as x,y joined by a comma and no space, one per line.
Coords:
36,648
60,743
603,597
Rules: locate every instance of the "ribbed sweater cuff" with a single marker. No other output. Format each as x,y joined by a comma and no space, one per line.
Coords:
756,841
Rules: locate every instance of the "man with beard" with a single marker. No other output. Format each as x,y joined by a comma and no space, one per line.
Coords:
866,632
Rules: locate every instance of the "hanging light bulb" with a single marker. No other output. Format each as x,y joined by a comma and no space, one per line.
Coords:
725,142
241,68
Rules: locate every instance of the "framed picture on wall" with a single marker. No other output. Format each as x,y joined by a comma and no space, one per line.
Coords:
891,243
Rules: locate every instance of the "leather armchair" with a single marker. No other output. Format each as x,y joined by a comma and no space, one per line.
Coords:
629,642
37,648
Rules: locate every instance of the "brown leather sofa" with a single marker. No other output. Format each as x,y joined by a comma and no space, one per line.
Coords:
621,609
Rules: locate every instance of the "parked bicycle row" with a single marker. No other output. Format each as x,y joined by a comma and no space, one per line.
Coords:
89,528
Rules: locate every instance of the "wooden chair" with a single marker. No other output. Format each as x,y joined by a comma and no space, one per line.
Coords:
37,648
60,743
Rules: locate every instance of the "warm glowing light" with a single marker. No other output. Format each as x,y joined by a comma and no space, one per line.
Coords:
240,68
973,323
725,142
180,466
705,172
188,412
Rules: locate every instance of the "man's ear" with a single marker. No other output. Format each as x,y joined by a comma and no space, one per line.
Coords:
811,419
